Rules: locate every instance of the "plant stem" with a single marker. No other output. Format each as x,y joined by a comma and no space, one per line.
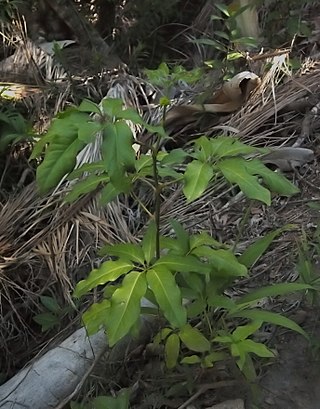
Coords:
157,197
158,187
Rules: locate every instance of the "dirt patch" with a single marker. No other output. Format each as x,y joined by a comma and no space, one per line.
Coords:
294,381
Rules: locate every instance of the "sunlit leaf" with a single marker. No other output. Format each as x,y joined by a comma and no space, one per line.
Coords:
89,106
171,350
196,179
244,331
108,271
257,348
108,193
88,131
125,306
84,186
222,261
191,360
149,242
252,254
167,294
235,171
117,150
126,251
95,317
185,264
60,158
194,339
271,318
274,180
273,291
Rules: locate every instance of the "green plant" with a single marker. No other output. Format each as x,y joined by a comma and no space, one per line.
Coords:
53,315
121,401
228,41
309,249
13,128
184,276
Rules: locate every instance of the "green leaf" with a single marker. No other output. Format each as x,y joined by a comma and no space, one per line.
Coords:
88,131
256,348
213,357
203,238
252,254
112,107
205,146
130,114
108,271
235,171
174,157
84,186
66,123
47,320
50,303
182,236
168,295
222,261
244,331
156,129
162,335
86,168
224,9
171,350
60,159
270,317
196,307
149,242
108,193
194,339
208,41
127,251
184,264
166,172
145,161
274,180
221,301
225,146
121,401
194,281
117,150
273,291
191,360
196,179
234,56
96,316
89,106
125,306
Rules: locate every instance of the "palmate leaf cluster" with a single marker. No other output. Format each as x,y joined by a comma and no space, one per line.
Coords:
184,276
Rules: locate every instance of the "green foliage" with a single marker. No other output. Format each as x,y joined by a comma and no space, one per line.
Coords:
8,10
287,20
121,401
309,249
53,314
164,78
13,128
184,275
227,40
224,154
